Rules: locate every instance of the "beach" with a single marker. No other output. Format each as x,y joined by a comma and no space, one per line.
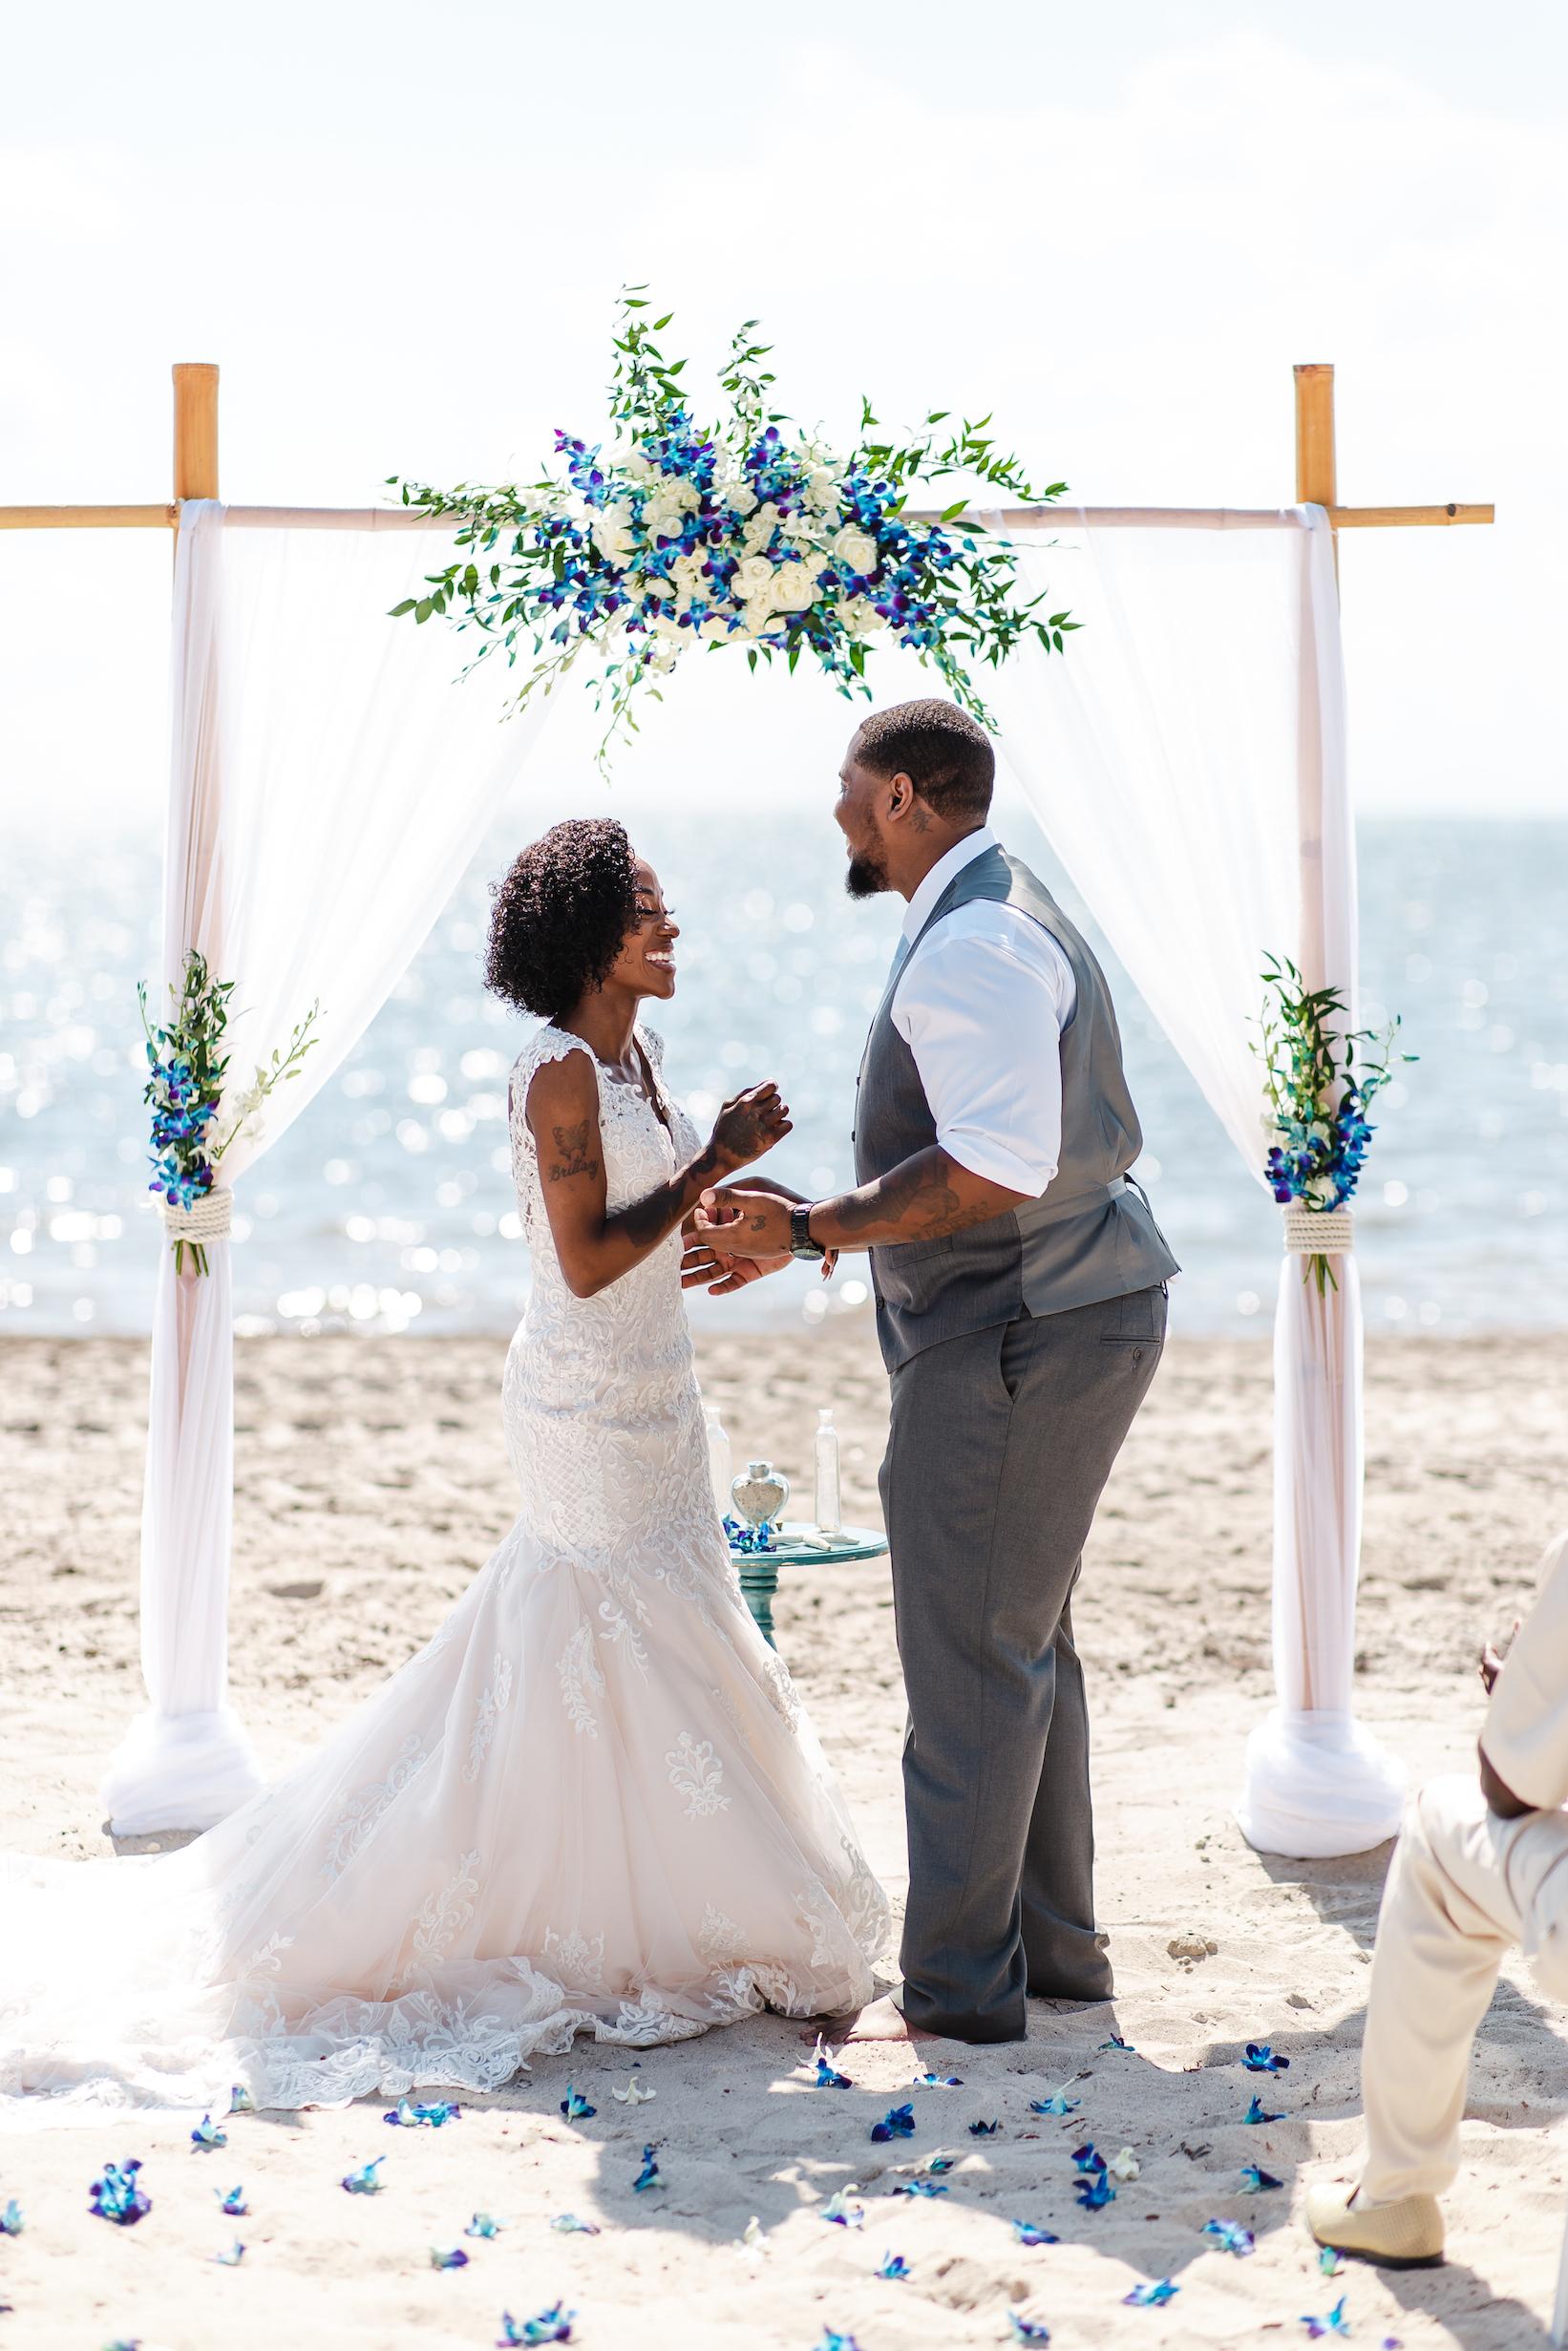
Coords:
373,1481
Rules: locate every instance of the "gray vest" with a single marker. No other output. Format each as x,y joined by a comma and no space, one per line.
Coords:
1091,1237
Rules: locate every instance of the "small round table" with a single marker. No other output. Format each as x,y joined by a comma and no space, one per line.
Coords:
797,1545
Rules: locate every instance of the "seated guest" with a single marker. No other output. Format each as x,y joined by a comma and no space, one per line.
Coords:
1477,1867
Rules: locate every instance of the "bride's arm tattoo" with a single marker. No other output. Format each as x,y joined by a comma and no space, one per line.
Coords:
572,1154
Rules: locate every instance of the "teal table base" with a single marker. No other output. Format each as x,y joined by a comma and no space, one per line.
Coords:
791,1547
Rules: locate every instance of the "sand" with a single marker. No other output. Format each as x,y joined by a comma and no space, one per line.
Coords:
372,1480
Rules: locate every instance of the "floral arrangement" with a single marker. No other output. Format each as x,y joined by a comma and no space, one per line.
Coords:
184,1088
1319,1083
748,532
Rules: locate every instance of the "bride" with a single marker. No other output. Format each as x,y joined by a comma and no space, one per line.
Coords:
592,1802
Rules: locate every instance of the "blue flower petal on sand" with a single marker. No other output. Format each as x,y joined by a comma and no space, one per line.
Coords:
1152,2298
448,2258
1255,2112
407,2115
833,2341
1055,2104
231,2259
894,2267
646,2177
1259,2057
1028,2234
938,2081
897,2123
117,2198
576,2108
1254,2179
1335,2323
552,2326
10,2219
1094,2190
569,2225
1116,2042
828,2076
1329,2262
1027,2330
364,2182
206,2136
1231,2237
920,2188
233,2202
841,2212
241,2100
484,2224
1087,2157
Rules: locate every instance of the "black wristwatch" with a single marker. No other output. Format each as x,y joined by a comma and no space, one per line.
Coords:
801,1243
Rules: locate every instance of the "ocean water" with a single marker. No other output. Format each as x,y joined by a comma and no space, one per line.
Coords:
387,1205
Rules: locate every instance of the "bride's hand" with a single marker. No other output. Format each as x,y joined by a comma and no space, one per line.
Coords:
703,1267
748,1127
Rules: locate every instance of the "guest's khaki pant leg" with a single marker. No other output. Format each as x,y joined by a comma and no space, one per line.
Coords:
1463,1887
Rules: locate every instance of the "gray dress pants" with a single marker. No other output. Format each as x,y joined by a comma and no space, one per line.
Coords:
1000,1444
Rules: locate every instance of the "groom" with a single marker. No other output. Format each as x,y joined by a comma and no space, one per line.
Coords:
1020,1282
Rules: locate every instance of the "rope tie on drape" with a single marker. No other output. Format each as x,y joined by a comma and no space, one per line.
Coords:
207,1218
1319,1232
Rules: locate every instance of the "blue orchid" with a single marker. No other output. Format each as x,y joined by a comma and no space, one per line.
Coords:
1255,2180
552,2326
920,2188
1027,2330
576,2108
117,2197
448,2258
484,2224
984,2130
1259,2057
206,2137
231,2259
1055,2104
1255,2112
897,2123
10,2219
407,2115
1231,2237
892,2267
233,2202
1334,2324
364,2182
648,2175
1028,2234
1116,2042
1152,2298
569,2225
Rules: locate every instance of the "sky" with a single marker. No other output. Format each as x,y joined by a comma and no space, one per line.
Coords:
400,232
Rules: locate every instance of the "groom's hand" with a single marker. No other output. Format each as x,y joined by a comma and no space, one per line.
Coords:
741,1224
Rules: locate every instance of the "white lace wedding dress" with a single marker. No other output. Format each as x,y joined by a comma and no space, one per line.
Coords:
591,1803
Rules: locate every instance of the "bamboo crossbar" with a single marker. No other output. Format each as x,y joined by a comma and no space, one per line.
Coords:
408,519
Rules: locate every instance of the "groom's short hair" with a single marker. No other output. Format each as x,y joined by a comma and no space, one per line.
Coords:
945,753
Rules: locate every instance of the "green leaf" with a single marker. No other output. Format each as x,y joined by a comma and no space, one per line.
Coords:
398,611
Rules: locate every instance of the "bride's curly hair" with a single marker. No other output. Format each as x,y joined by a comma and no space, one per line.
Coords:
561,916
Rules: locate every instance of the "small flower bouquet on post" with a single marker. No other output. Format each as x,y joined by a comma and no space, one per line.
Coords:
184,1090
1319,1081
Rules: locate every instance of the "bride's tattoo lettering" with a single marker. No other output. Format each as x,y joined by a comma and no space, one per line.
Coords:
572,1155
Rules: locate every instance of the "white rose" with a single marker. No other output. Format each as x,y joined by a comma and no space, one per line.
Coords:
715,630
795,588
821,488
636,463
611,529
753,579
740,498
855,550
758,618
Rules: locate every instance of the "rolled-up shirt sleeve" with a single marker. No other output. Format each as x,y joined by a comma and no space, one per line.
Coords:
1526,1733
983,1017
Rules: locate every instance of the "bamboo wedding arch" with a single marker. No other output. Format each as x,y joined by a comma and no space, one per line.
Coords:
1317,1694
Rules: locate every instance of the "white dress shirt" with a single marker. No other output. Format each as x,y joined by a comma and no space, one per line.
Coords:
980,1003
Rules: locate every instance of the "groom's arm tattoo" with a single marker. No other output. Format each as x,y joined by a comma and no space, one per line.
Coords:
923,1199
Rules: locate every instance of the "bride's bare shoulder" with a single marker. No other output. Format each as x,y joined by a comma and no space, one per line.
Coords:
555,1080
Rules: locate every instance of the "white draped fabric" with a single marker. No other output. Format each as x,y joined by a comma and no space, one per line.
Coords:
1187,762
329,783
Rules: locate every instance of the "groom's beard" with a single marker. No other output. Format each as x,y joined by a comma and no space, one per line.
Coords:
867,875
